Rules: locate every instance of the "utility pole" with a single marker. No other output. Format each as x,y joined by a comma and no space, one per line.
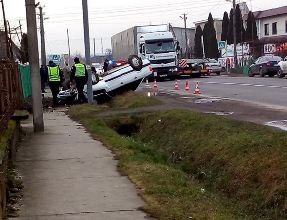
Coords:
20,25
42,33
10,40
69,47
94,47
87,49
203,49
234,34
185,31
102,45
6,31
38,121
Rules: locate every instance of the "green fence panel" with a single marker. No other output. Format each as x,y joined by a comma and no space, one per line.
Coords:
26,80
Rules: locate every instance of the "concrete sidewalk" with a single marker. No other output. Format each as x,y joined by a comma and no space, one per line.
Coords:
68,175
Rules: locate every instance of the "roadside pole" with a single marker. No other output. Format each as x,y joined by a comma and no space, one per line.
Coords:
6,31
203,49
42,32
185,32
38,120
87,49
69,47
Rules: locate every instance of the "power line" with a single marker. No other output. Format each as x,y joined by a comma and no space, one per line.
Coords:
131,14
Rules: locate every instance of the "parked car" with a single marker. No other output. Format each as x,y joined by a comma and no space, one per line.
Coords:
191,68
120,79
282,68
265,65
213,66
201,64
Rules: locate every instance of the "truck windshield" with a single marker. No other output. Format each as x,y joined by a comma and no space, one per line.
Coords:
159,46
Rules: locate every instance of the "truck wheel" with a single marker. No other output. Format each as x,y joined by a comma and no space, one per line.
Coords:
135,62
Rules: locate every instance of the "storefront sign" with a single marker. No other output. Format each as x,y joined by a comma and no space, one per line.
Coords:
269,48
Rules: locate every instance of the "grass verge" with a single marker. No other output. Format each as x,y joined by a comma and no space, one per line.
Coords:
5,136
191,165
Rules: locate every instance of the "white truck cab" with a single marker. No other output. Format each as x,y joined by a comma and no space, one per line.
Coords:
160,49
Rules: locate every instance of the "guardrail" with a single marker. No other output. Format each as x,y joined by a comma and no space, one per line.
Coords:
10,91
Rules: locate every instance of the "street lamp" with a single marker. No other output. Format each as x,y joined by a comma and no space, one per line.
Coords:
234,32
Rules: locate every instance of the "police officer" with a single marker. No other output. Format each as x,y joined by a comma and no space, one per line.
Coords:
54,78
80,75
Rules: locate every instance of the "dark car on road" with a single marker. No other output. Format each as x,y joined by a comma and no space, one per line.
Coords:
193,68
265,65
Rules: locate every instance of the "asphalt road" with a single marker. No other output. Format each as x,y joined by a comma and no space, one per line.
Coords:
270,92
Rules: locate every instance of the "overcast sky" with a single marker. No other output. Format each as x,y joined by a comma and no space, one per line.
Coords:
112,16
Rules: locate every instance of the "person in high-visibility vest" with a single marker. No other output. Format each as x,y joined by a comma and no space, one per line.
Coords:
80,75
54,78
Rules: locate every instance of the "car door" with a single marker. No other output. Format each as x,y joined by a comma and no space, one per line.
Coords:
253,67
258,64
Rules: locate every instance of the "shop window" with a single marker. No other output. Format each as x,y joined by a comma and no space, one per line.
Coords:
266,29
274,28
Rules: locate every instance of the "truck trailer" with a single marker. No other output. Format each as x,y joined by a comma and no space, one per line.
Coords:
157,43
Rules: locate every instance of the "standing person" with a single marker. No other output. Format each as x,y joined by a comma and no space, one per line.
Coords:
67,77
80,75
43,74
106,65
54,81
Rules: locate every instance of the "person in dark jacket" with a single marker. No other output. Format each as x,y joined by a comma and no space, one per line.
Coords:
79,74
106,65
54,78
44,77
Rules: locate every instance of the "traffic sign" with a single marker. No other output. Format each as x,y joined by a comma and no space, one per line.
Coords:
56,58
221,45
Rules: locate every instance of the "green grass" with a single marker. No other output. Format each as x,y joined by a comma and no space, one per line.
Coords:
196,165
124,101
132,100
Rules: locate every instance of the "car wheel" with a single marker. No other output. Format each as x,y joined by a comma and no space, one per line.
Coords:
280,74
135,62
261,73
250,74
218,73
271,75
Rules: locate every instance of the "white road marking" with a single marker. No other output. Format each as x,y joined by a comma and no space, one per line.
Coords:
245,84
228,83
258,85
274,86
211,82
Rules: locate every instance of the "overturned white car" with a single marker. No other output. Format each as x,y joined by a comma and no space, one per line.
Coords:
118,80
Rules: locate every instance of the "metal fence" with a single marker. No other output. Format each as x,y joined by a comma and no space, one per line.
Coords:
10,91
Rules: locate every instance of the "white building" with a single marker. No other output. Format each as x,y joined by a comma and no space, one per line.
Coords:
272,30
272,22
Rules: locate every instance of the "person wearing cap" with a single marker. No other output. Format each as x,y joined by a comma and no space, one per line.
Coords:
79,74
54,78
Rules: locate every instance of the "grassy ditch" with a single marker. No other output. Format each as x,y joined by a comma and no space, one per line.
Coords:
191,165
132,100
